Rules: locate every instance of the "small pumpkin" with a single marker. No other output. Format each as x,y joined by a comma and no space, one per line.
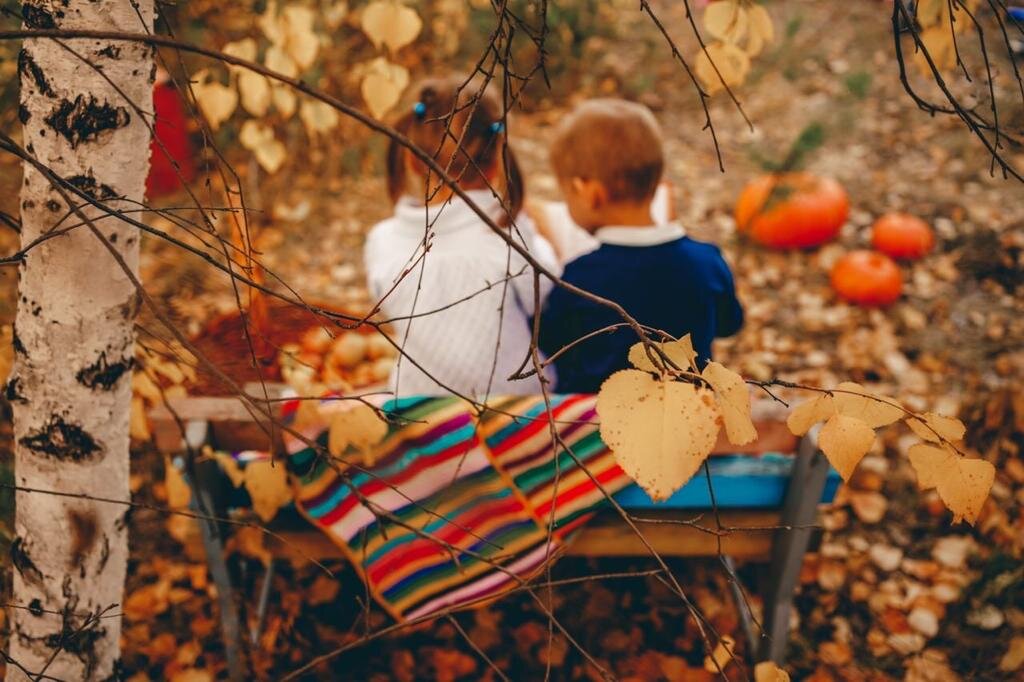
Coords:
901,235
867,278
792,210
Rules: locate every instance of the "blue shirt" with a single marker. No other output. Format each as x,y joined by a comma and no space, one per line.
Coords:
679,286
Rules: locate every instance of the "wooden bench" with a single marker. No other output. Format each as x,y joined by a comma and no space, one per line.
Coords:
768,505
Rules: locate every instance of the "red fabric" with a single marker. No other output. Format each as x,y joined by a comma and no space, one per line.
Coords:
171,129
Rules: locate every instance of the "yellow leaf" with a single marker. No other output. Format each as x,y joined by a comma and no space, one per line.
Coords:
932,427
721,656
733,402
382,86
267,483
144,387
938,42
138,427
335,14
845,441
178,492
680,352
767,671
357,425
317,117
386,22
660,431
278,60
216,101
255,91
733,65
284,100
962,483
809,413
260,140
301,42
932,12
870,409
230,467
760,30
243,49
726,20
273,28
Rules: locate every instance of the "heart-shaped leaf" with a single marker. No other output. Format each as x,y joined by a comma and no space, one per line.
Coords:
660,431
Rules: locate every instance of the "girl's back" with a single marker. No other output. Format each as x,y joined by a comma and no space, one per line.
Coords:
460,307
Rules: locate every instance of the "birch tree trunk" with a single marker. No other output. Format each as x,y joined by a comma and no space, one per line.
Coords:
74,338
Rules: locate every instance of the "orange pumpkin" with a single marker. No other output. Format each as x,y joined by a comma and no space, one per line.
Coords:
867,278
901,235
792,210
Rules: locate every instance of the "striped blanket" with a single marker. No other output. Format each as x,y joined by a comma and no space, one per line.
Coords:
459,507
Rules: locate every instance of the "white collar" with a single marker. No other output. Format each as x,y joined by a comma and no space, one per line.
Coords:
618,235
451,216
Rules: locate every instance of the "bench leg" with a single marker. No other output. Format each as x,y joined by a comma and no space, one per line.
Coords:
203,502
261,605
742,606
806,485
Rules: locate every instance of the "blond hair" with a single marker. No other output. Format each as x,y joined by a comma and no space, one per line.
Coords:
613,141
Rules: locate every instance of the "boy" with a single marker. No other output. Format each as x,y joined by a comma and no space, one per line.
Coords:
607,155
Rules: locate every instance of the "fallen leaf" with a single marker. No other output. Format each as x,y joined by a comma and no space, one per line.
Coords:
323,590
178,492
680,352
733,400
952,550
768,671
869,507
962,483
932,427
267,483
138,426
660,431
845,441
721,656
382,86
1013,659
386,22
230,467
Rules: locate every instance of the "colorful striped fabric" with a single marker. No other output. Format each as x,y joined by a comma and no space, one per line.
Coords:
459,507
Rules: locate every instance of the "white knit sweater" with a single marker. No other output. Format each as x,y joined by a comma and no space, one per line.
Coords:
471,346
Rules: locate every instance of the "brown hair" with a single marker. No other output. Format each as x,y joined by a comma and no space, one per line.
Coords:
462,127
613,141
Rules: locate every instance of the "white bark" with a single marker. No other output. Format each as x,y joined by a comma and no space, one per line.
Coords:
73,337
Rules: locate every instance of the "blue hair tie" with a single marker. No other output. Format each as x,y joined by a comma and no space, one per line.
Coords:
497,127
420,110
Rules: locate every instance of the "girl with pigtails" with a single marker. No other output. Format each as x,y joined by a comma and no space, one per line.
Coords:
459,296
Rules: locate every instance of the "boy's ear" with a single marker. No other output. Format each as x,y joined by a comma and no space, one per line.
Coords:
592,192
